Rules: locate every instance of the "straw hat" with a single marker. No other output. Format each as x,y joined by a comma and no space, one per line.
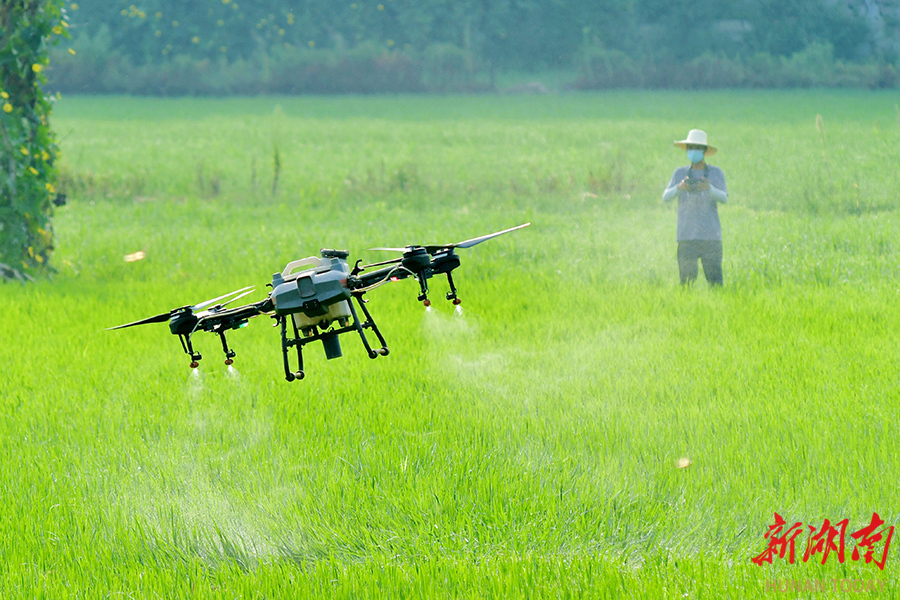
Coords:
697,137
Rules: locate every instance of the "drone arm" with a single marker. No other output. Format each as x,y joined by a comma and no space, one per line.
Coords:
368,281
234,318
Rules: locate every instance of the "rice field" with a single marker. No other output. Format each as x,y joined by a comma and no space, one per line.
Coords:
584,427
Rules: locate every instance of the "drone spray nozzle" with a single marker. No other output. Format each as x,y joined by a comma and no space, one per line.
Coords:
332,346
426,302
194,364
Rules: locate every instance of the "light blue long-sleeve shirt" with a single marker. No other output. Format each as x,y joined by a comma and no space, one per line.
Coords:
698,212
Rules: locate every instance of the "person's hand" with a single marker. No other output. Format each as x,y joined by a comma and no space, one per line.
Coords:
684,186
703,186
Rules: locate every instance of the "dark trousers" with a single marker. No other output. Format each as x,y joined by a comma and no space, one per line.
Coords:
709,252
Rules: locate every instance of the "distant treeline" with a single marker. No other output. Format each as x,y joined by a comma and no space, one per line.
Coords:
329,46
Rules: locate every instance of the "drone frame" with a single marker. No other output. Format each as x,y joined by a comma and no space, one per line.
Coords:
419,262
328,337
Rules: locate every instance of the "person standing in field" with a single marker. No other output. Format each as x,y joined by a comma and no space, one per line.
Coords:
700,188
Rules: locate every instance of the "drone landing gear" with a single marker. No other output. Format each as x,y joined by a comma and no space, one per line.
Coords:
287,343
189,350
451,295
369,323
328,338
229,353
196,356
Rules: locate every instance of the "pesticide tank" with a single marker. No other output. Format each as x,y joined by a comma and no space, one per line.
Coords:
316,295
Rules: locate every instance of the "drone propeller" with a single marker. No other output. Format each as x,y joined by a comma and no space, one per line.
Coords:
466,244
475,241
163,317
404,249
243,292
238,297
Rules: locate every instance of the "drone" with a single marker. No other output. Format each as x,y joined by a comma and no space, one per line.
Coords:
315,299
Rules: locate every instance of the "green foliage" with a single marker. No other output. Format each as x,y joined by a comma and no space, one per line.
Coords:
319,46
29,149
97,67
813,66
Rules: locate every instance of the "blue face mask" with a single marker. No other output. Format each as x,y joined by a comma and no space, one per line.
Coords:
695,156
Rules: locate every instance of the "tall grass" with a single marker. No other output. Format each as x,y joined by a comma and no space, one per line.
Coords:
525,448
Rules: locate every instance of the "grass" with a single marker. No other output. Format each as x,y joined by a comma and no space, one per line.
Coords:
527,448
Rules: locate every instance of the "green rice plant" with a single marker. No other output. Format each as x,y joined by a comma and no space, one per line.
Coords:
582,428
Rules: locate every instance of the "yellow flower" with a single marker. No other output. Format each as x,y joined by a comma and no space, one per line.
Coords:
381,7
4,95
220,22
312,44
124,13
391,43
226,1
290,18
33,170
74,6
7,108
195,39
174,23
37,68
24,150
281,32
159,15
72,52
39,258
58,30
45,155
50,188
